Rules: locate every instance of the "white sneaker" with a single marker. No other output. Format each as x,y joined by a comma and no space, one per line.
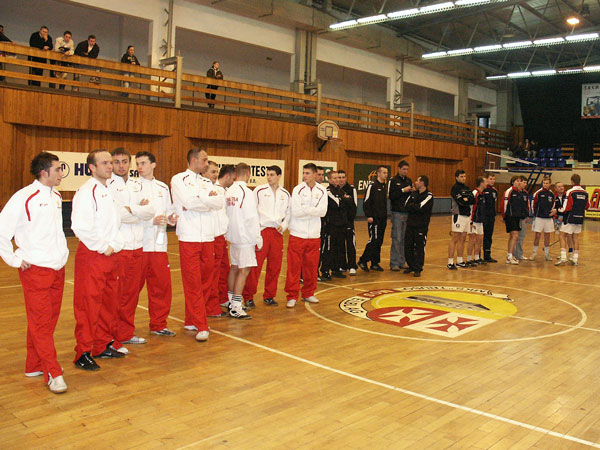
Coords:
522,258
512,261
34,374
291,303
57,385
123,350
352,272
573,262
237,312
548,257
311,299
532,257
135,340
202,336
190,327
560,262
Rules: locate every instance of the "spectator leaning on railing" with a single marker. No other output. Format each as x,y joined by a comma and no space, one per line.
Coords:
66,46
213,72
129,58
88,49
42,40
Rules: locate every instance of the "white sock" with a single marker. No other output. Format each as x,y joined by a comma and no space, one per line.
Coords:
509,256
450,260
575,256
229,295
535,249
459,260
469,258
546,251
563,254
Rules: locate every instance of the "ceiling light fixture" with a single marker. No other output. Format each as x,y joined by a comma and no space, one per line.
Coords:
573,21
413,12
518,45
545,72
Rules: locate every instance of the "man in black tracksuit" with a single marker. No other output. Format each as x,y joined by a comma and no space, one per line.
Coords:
398,191
351,197
461,200
490,194
375,208
418,205
336,219
213,72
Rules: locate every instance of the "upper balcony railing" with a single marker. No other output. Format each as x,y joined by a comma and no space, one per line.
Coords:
178,89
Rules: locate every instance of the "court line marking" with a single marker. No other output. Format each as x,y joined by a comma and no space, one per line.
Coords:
401,390
214,436
456,341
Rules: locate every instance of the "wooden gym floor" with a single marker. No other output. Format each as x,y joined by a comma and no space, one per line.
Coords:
520,374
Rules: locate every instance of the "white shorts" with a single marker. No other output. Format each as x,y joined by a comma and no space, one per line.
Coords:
460,224
571,228
242,255
541,225
476,228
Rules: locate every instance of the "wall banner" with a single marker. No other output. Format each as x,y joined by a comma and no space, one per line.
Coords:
327,165
594,195
258,167
590,101
363,173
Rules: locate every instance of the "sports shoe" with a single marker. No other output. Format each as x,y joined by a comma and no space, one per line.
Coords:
290,303
408,270
532,257
490,260
109,353
573,262
462,265
202,336
395,269
548,257
452,267
224,306
471,264
417,274
352,272
512,260
218,316
338,274
34,374
480,262
325,277
57,385
270,302
190,327
135,340
560,262
238,313
164,332
311,299
523,258
363,266
250,304
376,268
123,350
86,362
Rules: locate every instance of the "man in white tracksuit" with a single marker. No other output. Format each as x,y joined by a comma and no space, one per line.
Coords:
243,235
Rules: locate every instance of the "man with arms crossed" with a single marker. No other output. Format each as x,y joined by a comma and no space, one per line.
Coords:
462,199
309,205
195,199
156,271
375,208
351,196
243,235
574,214
400,188
543,210
134,208
95,221
33,216
419,205
273,203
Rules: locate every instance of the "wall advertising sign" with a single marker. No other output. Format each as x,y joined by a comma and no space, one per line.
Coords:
363,173
590,101
258,167
327,165
593,211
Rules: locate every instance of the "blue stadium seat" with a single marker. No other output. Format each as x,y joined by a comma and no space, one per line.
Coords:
542,153
558,152
550,153
561,162
551,162
543,162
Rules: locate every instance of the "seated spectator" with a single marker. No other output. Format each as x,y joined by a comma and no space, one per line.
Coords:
3,38
66,46
42,40
88,49
129,58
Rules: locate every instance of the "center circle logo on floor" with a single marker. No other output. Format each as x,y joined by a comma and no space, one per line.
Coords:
440,310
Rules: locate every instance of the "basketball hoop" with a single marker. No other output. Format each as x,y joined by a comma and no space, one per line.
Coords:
327,131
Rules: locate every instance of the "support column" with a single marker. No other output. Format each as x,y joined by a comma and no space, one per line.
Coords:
305,62
396,86
461,101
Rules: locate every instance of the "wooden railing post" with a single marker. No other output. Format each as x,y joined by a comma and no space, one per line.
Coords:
318,108
475,132
412,120
179,69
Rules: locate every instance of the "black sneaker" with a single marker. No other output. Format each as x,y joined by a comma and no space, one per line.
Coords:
471,264
219,316
338,274
325,277
86,362
250,304
452,267
462,265
480,261
408,270
363,266
395,269
417,274
376,268
270,301
490,260
109,353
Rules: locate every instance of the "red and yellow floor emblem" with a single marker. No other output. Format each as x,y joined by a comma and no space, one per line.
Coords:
440,310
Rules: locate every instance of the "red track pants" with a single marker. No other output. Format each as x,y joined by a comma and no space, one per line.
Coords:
95,301
223,275
43,290
197,261
302,256
130,277
214,299
157,276
272,250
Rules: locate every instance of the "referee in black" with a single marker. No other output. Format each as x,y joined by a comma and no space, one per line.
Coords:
375,208
418,206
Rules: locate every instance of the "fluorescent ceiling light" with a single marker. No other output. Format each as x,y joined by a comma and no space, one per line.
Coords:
519,74
372,19
539,73
471,2
592,68
488,48
433,55
547,41
517,44
436,7
582,37
346,24
496,77
461,51
403,13
566,71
